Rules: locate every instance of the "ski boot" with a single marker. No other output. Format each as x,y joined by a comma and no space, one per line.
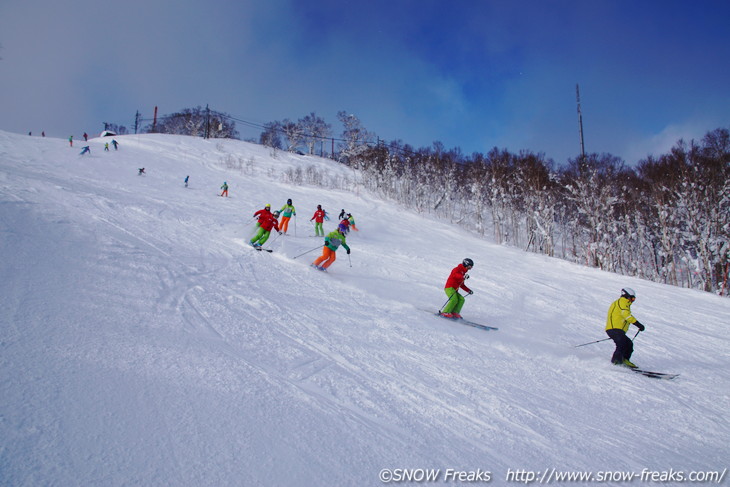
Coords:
629,364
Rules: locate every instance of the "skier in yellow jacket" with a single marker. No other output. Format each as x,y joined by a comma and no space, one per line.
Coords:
617,324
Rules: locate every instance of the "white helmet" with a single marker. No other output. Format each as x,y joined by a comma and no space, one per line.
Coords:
628,293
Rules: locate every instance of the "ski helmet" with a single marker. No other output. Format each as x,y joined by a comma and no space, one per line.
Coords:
468,262
628,293
288,202
319,207
276,213
267,205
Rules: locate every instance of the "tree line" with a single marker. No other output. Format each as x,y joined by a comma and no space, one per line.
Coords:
667,219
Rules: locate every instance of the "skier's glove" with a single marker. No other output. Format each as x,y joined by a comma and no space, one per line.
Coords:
280,233
640,326
466,276
348,251
471,292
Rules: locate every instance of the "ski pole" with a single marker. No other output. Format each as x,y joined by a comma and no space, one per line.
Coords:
274,240
590,343
277,236
295,224
609,338
308,251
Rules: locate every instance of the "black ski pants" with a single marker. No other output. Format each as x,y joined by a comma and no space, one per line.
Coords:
624,345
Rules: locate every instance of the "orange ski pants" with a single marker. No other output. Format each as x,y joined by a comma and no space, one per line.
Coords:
284,224
327,258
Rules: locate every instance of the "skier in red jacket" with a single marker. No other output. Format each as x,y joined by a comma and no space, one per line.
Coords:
267,221
266,212
318,218
453,284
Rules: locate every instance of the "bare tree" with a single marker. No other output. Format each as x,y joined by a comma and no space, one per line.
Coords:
271,136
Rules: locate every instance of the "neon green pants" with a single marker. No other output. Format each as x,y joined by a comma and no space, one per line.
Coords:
456,301
261,236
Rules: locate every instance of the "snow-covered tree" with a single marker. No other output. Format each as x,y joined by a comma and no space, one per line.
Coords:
313,130
356,138
293,134
197,122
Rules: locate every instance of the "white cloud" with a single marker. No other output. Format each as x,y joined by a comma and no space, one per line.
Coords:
663,141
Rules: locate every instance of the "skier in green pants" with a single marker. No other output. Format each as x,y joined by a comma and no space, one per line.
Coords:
318,218
267,223
453,284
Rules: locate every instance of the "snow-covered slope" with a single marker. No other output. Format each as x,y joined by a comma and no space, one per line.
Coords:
142,342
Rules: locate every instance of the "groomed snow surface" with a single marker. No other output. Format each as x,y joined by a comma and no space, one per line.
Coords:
143,342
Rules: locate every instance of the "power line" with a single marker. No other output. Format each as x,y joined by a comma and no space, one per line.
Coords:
259,126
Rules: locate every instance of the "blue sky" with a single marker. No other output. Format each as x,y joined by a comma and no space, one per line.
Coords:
470,74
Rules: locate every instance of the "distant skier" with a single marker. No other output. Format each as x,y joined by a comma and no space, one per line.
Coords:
318,218
225,189
342,214
43,134
140,171
115,144
85,150
106,147
332,242
86,137
286,213
344,226
351,219
267,221
71,141
453,284
617,324
186,180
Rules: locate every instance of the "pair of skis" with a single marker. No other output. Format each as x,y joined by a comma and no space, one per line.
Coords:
261,249
655,375
462,321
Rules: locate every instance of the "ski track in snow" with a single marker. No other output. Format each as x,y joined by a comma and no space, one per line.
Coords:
144,342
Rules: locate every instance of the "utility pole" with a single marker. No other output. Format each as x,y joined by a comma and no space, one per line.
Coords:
136,121
207,121
580,124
